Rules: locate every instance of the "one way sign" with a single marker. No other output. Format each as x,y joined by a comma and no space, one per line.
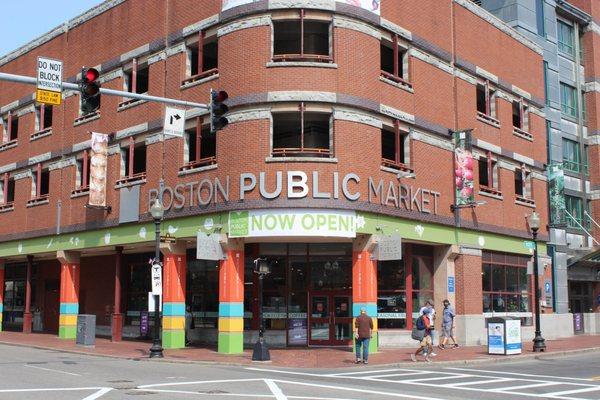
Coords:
174,122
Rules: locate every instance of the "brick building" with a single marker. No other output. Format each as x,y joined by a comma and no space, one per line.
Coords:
342,135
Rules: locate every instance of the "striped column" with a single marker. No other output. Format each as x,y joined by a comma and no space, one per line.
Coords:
174,271
1,292
231,303
364,290
69,294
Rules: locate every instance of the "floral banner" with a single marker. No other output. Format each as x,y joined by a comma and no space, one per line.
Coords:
370,5
98,165
463,169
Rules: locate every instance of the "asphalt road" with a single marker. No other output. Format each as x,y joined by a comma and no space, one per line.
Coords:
42,374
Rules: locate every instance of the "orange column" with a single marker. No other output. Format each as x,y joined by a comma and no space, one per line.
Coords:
231,303
364,289
174,276
69,294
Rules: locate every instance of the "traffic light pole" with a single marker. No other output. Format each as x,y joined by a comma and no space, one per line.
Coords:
109,92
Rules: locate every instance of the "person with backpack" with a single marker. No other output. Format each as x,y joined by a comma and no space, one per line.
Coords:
423,324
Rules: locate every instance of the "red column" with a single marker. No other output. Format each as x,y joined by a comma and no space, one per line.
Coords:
117,317
27,315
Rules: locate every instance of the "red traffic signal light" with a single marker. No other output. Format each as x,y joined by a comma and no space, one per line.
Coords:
91,74
89,88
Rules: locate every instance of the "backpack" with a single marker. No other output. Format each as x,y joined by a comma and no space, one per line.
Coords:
420,323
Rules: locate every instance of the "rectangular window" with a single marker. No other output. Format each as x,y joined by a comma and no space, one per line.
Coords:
12,127
203,57
394,147
539,17
488,174
137,78
394,61
586,168
83,172
584,115
523,188
40,184
486,102
301,134
7,191
546,83
574,208
506,285
301,39
568,100
566,38
519,183
43,117
201,146
133,162
571,155
517,114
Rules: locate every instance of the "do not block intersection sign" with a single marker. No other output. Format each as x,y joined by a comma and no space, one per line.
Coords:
49,81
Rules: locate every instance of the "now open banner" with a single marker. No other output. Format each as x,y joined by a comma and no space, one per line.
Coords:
296,222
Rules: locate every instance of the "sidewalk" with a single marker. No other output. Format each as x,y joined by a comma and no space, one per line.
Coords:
291,357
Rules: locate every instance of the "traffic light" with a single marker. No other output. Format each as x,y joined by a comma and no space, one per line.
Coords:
217,110
90,90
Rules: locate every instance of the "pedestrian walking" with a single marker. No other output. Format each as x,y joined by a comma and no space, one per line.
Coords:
189,325
448,316
423,323
429,306
364,331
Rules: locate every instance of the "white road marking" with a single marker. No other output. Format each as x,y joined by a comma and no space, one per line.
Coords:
262,396
531,386
52,370
438,378
98,394
297,373
366,372
455,385
198,382
71,389
275,390
590,389
519,374
400,375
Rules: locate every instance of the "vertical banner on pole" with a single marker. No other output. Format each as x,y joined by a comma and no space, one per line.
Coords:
98,166
556,189
463,168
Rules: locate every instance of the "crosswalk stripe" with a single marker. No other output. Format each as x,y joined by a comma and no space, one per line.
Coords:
533,385
589,389
497,380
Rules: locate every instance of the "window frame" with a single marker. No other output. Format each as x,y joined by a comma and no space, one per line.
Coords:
493,178
5,203
127,174
400,73
491,108
36,186
202,38
130,84
302,56
564,47
402,161
82,174
571,164
569,200
198,162
568,110
526,184
285,152
7,137
40,119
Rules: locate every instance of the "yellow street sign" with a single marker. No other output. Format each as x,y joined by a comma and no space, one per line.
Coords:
48,97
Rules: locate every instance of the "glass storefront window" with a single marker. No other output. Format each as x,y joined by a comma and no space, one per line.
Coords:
422,273
201,296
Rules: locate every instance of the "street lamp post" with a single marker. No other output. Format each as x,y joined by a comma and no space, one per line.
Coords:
539,344
261,350
157,210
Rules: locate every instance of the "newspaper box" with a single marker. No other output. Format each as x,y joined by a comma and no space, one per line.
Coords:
504,335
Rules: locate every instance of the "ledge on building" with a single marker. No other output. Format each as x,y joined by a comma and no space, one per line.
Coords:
86,118
305,64
313,58
490,192
524,201
522,134
80,192
133,180
396,81
301,155
38,201
40,134
394,167
127,104
192,167
488,119
7,207
200,78
9,145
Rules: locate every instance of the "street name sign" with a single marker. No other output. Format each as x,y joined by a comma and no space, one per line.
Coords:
174,122
49,81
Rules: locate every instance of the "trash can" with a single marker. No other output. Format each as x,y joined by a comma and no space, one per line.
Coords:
86,330
504,335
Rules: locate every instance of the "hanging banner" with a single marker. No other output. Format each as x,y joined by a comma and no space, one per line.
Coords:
556,189
98,165
156,281
373,6
463,168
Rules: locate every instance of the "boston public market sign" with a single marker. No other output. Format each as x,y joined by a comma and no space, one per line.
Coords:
350,187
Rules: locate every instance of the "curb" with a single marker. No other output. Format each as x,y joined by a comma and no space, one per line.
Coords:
487,360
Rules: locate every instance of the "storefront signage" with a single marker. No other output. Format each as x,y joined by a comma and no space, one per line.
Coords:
144,323
450,284
495,338
389,248
548,293
299,185
513,336
297,332
391,315
257,223
373,6
208,247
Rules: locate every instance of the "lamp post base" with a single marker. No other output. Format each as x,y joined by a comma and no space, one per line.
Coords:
261,351
156,351
539,343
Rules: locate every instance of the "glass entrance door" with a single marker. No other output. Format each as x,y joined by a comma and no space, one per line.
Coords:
330,320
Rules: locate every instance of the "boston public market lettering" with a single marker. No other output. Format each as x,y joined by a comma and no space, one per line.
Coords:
297,186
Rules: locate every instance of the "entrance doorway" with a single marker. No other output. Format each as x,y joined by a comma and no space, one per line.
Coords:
330,319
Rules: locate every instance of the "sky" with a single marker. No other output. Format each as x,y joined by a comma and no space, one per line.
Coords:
25,20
